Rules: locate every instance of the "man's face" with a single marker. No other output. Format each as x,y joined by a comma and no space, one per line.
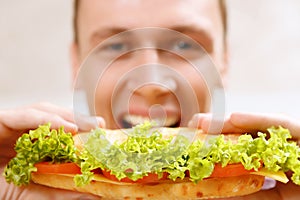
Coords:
197,19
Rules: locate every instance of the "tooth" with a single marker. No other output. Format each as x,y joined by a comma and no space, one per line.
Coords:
137,119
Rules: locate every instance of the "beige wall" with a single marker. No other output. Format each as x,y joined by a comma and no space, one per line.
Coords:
265,45
34,60
264,38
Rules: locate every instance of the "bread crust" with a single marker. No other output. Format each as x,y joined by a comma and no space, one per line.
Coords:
205,189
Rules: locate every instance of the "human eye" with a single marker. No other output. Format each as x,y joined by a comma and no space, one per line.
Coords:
113,48
186,48
183,45
116,46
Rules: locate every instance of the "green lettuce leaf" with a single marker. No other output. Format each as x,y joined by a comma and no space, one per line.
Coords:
276,153
41,144
145,151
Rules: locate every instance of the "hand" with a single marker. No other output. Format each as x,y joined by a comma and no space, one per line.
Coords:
251,123
14,122
245,123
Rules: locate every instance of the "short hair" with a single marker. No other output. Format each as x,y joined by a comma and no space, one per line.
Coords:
222,5
75,19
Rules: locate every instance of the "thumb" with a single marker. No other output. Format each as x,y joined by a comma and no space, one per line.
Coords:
100,122
87,123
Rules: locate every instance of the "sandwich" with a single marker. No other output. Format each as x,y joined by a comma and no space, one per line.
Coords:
148,162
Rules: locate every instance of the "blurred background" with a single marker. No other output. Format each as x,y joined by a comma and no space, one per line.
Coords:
264,44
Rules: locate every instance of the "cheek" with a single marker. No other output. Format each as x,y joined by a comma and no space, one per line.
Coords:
203,94
104,91
200,87
103,96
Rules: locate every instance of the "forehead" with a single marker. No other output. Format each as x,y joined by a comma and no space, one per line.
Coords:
127,10
128,14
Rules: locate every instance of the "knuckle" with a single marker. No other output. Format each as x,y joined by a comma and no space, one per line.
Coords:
44,104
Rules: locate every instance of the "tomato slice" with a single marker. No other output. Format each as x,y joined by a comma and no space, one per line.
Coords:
230,170
151,178
57,168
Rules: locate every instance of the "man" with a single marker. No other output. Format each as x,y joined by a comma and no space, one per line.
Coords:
95,22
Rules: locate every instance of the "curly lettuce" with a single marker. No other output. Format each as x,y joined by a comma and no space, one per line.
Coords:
147,151
275,153
41,144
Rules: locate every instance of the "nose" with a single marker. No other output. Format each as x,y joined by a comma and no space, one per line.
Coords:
152,82
146,56
155,74
153,93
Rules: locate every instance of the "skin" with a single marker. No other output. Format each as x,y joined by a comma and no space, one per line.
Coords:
247,123
200,20
14,122
95,23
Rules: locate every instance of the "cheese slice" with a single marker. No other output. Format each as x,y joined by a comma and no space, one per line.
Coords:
278,176
101,178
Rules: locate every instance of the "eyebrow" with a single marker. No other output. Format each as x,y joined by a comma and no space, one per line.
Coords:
202,35
109,31
190,30
104,33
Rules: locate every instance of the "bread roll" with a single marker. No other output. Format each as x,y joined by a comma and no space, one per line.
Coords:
205,189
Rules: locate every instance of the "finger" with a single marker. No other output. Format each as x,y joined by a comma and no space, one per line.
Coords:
101,122
87,123
25,119
261,122
213,125
255,121
7,153
65,113
197,119
207,122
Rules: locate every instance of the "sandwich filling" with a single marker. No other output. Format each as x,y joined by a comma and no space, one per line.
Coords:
145,152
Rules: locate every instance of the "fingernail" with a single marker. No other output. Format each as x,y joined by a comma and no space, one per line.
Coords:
101,122
197,119
192,123
71,128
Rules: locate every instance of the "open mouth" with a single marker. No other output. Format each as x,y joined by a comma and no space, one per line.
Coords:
128,121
